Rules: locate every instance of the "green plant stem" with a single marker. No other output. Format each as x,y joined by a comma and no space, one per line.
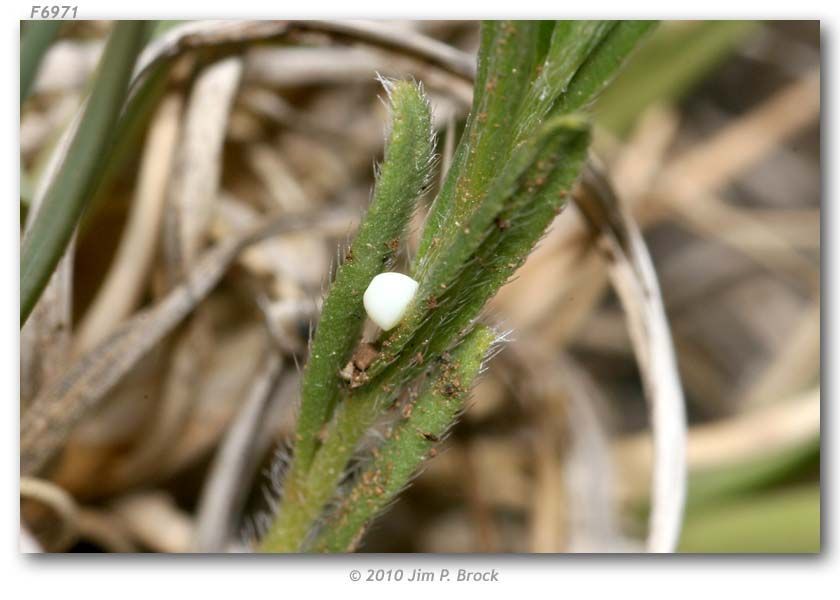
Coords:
602,65
305,494
507,61
432,314
303,503
402,179
675,58
35,42
77,177
519,226
580,57
514,167
407,446
438,405
571,44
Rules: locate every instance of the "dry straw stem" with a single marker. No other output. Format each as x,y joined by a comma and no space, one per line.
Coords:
230,372
123,286
573,505
68,66
38,135
746,141
193,193
60,503
188,362
634,279
547,527
589,468
227,480
191,201
50,418
155,521
153,67
289,66
707,166
653,187
689,181
45,338
742,443
204,34
106,530
796,366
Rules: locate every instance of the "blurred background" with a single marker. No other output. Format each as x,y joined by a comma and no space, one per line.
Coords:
711,137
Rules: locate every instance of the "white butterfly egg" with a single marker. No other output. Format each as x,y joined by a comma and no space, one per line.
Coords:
387,298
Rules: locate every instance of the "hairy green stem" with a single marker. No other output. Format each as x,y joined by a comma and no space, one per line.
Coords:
408,445
517,229
572,42
477,189
513,170
303,502
401,179
507,61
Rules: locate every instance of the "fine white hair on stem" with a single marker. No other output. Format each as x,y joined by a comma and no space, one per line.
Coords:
387,84
222,496
503,337
634,279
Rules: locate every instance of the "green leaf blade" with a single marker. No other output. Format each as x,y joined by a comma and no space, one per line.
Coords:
35,42
78,176
602,65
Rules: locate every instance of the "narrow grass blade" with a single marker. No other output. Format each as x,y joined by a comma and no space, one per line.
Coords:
785,521
35,42
674,58
73,185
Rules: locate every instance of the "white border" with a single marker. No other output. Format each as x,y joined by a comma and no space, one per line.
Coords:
65,578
